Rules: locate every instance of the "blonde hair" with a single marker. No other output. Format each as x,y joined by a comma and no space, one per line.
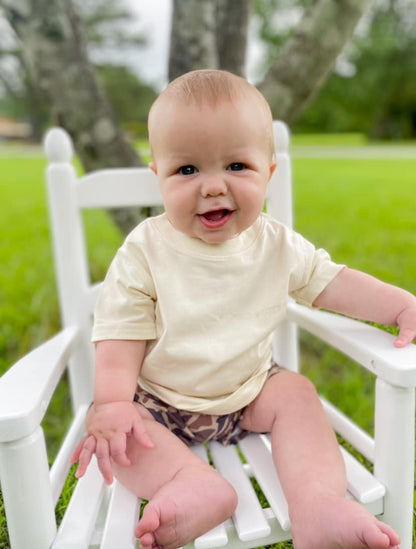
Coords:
212,87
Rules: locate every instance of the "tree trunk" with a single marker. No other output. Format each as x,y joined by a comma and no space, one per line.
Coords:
55,52
232,18
192,41
306,61
208,34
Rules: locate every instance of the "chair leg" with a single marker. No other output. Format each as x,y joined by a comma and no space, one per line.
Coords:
395,455
24,474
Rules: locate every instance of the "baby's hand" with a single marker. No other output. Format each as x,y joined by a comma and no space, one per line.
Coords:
406,322
108,426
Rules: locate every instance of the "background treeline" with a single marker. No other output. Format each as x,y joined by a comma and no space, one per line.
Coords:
370,89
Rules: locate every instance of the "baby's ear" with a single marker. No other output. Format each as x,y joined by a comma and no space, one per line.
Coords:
152,166
273,166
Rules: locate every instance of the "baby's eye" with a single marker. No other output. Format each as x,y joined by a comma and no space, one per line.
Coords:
187,170
236,166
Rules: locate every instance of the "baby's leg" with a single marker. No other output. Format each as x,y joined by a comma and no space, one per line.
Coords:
186,496
311,469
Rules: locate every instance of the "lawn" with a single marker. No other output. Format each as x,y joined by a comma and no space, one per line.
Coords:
362,211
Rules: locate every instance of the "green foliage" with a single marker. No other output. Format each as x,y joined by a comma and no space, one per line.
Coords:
377,95
130,99
380,97
111,29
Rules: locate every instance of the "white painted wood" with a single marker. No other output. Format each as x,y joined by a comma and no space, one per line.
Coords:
77,527
351,432
394,463
58,146
369,346
136,186
276,535
122,517
258,454
61,466
248,517
26,389
361,483
24,477
279,193
216,537
72,274
279,205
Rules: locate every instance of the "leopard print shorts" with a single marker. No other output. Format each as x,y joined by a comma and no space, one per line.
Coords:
194,428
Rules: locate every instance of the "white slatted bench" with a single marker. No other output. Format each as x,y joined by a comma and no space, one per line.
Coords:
105,517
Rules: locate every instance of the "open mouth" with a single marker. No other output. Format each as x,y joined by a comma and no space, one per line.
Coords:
216,218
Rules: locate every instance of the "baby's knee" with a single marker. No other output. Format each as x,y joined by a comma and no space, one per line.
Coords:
231,500
294,390
302,386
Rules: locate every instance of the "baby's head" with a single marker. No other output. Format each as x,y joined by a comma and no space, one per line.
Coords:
211,139
207,89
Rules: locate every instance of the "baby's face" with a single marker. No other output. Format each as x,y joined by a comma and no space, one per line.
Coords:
213,166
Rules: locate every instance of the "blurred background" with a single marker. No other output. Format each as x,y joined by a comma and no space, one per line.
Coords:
324,66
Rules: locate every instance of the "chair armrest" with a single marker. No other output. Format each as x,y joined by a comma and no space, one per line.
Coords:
27,387
369,346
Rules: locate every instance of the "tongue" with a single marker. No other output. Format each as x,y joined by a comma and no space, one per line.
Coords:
215,215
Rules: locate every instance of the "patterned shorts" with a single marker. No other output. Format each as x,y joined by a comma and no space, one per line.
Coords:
192,427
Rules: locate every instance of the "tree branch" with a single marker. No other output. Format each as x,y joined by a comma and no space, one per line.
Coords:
309,56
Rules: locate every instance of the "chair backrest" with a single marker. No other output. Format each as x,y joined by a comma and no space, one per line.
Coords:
70,194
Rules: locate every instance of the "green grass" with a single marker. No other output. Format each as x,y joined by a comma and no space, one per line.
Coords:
28,302
28,305
330,139
362,211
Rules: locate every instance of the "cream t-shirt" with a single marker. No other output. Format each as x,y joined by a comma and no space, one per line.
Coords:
207,311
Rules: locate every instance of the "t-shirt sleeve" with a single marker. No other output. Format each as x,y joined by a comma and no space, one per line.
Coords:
311,270
125,307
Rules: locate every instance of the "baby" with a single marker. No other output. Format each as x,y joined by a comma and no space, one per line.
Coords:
183,331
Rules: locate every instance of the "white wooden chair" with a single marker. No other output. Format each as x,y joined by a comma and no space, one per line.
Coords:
98,516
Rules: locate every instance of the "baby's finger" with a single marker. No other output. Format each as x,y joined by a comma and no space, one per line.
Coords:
86,450
102,453
118,450
405,337
141,435
76,453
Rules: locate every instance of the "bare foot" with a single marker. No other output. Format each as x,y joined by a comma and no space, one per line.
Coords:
334,522
177,513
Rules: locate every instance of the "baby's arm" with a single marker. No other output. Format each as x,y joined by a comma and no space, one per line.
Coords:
113,415
359,295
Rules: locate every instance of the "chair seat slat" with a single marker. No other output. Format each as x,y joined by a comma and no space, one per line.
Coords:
361,483
216,537
123,514
261,462
248,517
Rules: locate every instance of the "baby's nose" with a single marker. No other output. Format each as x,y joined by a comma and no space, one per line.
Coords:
213,186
